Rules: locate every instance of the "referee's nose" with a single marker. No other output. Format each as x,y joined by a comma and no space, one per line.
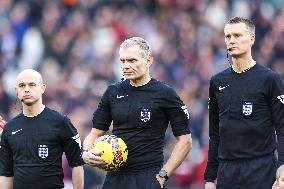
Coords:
125,65
27,89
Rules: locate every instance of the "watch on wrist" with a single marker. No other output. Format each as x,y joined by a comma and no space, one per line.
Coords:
163,174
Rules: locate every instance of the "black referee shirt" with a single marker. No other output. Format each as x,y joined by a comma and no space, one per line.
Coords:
31,150
245,110
140,117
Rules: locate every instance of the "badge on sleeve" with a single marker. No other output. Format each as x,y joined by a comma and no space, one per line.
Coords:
42,151
281,98
145,114
247,108
77,139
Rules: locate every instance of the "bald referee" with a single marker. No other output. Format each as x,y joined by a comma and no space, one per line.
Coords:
32,143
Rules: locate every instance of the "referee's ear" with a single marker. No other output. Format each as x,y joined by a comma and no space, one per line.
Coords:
149,61
252,39
43,87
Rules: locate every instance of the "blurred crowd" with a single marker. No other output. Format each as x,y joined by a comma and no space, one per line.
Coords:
74,44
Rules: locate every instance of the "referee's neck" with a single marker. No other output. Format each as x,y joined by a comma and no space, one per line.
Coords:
33,110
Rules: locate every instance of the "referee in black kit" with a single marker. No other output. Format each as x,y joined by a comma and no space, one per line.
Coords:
32,143
246,107
140,108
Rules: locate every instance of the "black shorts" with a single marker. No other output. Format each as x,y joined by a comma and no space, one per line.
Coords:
145,179
36,186
257,173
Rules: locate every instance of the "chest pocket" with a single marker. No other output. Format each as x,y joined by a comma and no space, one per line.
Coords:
18,145
120,113
223,98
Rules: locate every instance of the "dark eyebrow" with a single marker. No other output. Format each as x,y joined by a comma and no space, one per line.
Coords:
233,34
131,59
128,59
30,83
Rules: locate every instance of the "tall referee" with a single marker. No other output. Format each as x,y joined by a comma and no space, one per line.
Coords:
246,109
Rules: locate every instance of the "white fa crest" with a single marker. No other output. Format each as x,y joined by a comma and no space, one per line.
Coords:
145,114
42,151
247,108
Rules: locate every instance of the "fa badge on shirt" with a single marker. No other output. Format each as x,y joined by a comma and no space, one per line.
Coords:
42,151
145,114
247,108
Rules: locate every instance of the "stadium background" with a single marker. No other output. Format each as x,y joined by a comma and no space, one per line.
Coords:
74,44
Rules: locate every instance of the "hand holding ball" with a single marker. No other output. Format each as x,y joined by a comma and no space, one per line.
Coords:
113,150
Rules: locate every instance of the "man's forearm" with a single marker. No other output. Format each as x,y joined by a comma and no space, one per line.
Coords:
90,139
179,153
88,142
78,177
6,182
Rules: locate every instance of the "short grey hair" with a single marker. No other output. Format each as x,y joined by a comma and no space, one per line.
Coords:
249,23
145,49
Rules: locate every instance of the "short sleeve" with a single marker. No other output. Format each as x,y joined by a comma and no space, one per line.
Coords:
6,156
71,144
102,116
177,113
277,105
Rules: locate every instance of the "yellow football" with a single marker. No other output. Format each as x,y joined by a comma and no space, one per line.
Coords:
114,151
